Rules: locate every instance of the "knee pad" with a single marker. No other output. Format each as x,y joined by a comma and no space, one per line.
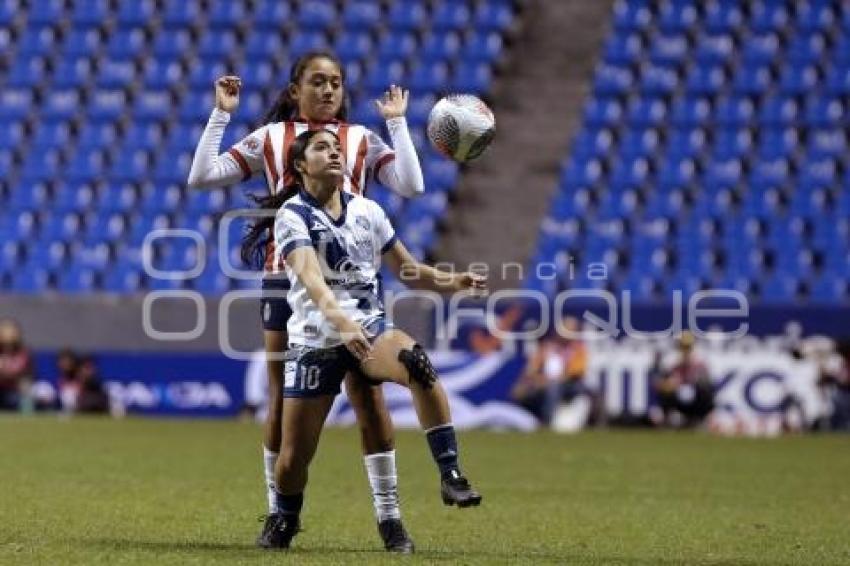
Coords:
418,366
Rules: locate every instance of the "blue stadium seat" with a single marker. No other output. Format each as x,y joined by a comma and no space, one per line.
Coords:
797,81
132,14
61,104
397,46
449,15
361,14
754,81
122,279
303,42
126,43
667,49
826,142
705,79
815,16
648,112
90,13
315,14
675,17
623,49
353,45
107,104
806,49
70,198
613,80
117,199
734,111
223,15
658,79
381,75
722,17
408,15
32,280
778,110
182,14
442,46
761,48
428,77
77,279
493,16
27,72
46,12
829,288
153,105
691,111
629,16
37,40
714,49
779,288
480,47
601,111
119,70
216,44
171,44
272,14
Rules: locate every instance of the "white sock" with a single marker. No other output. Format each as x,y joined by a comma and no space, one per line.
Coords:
384,481
269,460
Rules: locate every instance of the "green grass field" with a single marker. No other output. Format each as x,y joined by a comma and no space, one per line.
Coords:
138,491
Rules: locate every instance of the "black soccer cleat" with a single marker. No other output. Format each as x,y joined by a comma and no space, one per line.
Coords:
268,523
456,490
395,537
278,531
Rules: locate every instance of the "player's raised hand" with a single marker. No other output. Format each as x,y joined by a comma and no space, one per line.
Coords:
227,92
394,102
471,282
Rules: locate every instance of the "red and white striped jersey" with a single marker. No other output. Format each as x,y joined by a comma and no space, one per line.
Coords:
267,149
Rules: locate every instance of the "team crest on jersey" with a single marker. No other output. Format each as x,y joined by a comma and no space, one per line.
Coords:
251,144
363,222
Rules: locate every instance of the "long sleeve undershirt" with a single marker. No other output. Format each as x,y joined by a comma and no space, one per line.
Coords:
211,169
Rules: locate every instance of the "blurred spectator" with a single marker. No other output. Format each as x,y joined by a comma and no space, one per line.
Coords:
482,341
834,385
91,397
553,375
69,389
16,368
684,392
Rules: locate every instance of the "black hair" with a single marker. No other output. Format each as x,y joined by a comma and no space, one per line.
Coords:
284,107
259,233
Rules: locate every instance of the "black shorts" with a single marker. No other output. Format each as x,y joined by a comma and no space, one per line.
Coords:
315,372
274,309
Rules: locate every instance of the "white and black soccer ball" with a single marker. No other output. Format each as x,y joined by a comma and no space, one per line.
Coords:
461,126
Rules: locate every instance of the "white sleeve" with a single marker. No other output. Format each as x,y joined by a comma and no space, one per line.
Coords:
384,231
209,169
397,167
290,232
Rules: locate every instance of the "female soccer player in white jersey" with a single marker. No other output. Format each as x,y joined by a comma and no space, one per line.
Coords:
333,242
315,98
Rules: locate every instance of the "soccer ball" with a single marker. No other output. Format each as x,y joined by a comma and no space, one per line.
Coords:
461,127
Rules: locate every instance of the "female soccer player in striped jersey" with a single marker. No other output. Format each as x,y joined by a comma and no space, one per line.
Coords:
333,243
315,98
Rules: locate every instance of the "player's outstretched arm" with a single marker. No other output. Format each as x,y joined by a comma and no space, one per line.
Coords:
402,172
418,275
209,169
304,262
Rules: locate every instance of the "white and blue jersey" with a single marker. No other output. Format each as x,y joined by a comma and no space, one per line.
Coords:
349,251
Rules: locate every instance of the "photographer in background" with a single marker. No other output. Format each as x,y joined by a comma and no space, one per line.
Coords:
16,369
685,393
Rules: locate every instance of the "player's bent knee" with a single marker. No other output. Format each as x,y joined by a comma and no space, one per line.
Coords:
419,367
